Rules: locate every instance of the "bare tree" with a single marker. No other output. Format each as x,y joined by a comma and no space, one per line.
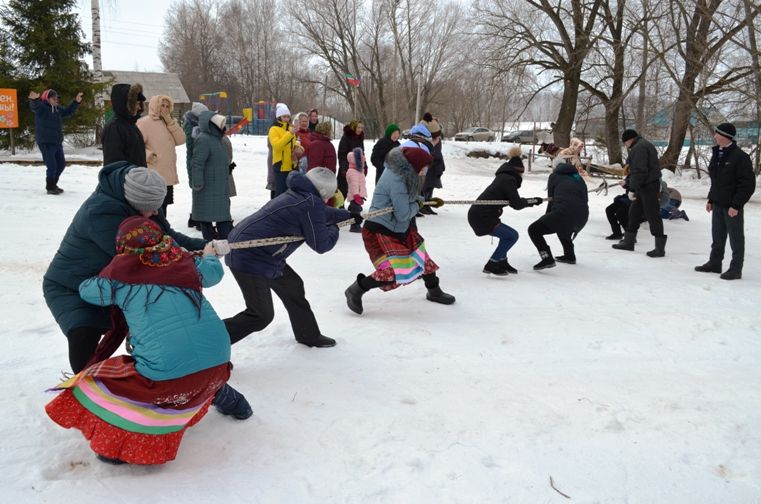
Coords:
552,36
698,30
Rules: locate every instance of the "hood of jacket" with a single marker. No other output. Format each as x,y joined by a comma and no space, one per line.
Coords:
111,179
299,182
352,134
119,94
507,169
206,126
191,118
154,106
565,169
397,163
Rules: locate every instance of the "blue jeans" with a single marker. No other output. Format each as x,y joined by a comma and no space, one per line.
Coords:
507,238
52,156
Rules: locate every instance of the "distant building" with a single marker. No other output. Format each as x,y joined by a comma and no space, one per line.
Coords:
154,83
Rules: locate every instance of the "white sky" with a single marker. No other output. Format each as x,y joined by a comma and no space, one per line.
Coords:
130,32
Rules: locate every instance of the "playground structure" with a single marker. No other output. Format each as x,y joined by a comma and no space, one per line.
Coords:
256,120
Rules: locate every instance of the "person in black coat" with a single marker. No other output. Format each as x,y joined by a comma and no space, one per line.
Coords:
567,214
382,147
644,191
353,137
618,211
484,219
122,141
732,185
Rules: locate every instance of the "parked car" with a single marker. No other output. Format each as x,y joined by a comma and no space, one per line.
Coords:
520,136
476,133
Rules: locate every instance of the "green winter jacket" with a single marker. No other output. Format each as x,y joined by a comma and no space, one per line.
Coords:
209,173
88,246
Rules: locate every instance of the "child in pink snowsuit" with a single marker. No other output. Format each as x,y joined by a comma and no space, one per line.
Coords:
355,178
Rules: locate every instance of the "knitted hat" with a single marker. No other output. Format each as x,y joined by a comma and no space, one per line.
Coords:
324,128
144,189
219,121
48,93
324,181
428,117
727,130
418,158
628,135
391,128
514,151
433,127
197,108
516,163
282,110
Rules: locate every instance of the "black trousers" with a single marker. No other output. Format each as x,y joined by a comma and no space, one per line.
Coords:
618,215
82,344
551,224
647,204
722,225
259,313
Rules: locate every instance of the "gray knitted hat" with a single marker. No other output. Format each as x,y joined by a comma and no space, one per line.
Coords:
324,181
144,189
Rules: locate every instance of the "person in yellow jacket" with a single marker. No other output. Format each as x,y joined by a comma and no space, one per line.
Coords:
282,137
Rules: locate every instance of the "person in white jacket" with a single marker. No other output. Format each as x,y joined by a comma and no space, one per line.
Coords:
162,135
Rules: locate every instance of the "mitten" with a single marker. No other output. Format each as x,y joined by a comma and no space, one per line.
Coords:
357,218
436,202
221,247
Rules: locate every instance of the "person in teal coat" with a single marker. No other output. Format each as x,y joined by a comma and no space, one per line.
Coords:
210,170
88,246
191,122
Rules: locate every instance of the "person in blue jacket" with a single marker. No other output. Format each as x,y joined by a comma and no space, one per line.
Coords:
48,133
300,211
135,409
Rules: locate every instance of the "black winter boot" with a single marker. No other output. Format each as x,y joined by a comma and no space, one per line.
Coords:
354,295
510,269
614,236
109,460
627,243
709,267
55,185
566,259
498,268
660,247
546,262
731,274
435,293
50,187
355,228
318,342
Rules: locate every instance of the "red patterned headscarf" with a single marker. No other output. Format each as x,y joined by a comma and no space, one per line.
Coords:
145,255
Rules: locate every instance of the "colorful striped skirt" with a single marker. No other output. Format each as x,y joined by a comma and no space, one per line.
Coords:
397,262
128,417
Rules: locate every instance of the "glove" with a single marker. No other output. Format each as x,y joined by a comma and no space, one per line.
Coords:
232,167
631,195
221,247
358,199
534,201
436,202
354,207
420,203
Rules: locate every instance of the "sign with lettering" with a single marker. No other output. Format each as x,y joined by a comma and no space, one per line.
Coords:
8,108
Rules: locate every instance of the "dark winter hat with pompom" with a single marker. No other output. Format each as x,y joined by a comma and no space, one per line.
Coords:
727,130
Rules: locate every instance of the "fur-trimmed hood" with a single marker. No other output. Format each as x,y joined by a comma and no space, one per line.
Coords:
397,163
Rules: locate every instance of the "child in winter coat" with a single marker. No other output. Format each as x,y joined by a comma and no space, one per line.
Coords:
484,219
135,409
355,178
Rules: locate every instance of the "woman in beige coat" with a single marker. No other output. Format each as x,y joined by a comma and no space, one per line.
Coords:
162,134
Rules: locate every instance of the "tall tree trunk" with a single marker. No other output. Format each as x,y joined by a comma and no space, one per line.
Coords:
97,66
754,62
561,133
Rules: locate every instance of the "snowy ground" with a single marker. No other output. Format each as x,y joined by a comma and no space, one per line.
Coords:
623,378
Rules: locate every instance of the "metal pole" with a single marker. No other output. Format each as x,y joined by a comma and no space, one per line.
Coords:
13,146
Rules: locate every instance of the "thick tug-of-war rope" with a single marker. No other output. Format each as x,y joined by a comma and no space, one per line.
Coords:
279,240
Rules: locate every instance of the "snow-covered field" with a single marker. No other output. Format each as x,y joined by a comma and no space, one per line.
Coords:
623,379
